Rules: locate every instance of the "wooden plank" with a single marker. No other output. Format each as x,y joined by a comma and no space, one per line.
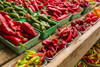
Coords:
71,55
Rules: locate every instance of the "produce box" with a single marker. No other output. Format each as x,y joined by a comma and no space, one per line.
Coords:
85,10
20,49
48,32
64,21
76,15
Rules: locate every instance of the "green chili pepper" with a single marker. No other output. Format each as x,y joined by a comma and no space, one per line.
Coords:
45,24
49,16
13,3
52,22
1,7
1,2
18,8
42,27
8,8
7,3
21,13
20,5
15,15
43,17
37,61
36,25
29,10
34,19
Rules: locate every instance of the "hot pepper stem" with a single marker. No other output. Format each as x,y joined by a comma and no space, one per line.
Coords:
22,45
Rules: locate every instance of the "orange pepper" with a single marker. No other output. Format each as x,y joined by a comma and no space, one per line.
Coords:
96,9
93,12
98,13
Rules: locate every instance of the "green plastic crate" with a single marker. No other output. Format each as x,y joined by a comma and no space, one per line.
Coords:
85,10
48,32
19,49
64,21
76,15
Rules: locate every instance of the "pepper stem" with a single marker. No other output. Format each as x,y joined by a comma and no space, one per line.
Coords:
22,45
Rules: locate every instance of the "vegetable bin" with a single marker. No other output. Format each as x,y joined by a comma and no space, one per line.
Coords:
85,10
64,21
76,15
19,49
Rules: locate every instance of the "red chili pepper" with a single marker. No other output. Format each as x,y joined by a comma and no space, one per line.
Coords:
38,54
61,9
2,19
44,12
49,53
62,17
55,14
16,41
7,18
25,5
27,35
74,32
11,25
54,10
69,36
59,28
6,29
3,13
55,40
94,18
42,58
46,42
62,31
52,48
41,6
35,5
53,17
17,23
33,9
29,29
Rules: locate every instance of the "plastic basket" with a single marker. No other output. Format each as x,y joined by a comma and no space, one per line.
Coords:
64,21
76,15
19,49
85,10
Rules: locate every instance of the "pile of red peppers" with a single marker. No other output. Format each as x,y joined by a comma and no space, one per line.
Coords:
52,47
85,23
67,35
15,31
91,18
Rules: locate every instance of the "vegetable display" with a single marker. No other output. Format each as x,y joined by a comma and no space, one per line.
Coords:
14,31
41,21
52,47
31,59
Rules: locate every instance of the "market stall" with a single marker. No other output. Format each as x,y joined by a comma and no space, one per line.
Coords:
47,34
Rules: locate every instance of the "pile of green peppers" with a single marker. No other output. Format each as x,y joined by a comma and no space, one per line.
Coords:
80,64
13,10
41,21
29,61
